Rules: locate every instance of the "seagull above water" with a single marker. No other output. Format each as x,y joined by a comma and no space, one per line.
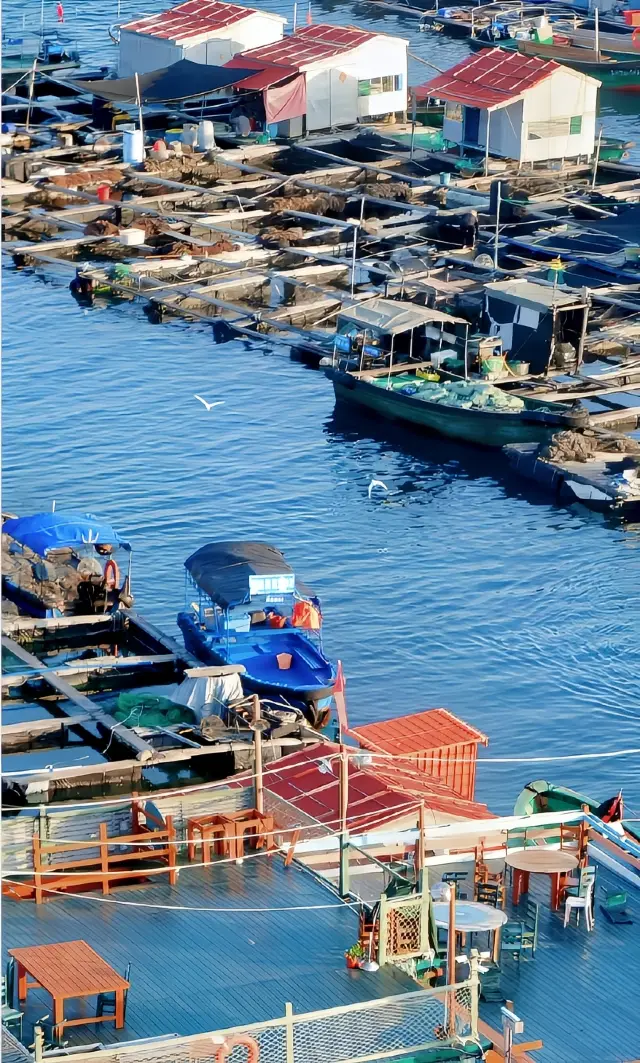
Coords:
377,483
209,405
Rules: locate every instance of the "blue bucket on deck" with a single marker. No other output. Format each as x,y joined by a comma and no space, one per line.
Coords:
445,177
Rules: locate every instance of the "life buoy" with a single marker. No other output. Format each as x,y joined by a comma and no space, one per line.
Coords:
111,575
240,1041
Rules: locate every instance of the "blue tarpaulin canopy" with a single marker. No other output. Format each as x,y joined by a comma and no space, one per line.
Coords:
50,531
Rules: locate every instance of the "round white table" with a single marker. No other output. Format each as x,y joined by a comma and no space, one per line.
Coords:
541,860
471,917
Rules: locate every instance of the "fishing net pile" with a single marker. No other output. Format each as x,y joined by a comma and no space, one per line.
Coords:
580,446
465,395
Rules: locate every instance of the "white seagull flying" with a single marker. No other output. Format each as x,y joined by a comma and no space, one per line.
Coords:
209,405
377,483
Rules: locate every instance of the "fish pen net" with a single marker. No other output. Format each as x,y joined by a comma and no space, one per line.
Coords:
375,1030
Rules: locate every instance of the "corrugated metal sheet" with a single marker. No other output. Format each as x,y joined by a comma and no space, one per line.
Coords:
12,1050
192,19
491,79
17,847
310,44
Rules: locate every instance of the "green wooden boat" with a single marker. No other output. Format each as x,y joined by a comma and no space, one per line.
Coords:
399,394
542,796
621,73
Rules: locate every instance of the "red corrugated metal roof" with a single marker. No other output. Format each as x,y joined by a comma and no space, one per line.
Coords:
492,78
192,19
433,729
309,45
377,795
264,76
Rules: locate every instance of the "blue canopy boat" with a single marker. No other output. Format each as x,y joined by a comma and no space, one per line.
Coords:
60,564
251,610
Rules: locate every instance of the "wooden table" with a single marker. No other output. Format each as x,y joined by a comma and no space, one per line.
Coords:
541,861
67,970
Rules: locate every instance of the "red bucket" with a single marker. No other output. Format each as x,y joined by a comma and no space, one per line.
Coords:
103,192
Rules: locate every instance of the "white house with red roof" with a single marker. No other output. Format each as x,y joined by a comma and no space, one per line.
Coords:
349,74
204,31
517,106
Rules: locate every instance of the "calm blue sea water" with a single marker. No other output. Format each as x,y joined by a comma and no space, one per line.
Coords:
462,588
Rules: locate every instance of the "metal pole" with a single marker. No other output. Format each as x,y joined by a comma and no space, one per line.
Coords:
474,979
466,352
486,147
139,109
41,19
596,36
295,14
353,261
413,121
451,958
596,160
497,233
344,808
31,84
257,748
420,853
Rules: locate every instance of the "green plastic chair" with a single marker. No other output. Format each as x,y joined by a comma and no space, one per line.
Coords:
11,1017
511,938
530,926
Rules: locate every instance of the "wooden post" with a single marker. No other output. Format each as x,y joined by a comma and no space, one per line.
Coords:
257,750
486,147
37,867
171,850
344,834
104,856
288,1011
295,837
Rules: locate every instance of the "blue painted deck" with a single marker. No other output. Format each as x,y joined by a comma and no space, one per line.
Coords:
194,971
581,993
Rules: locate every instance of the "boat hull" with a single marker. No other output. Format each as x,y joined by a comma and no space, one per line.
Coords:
468,426
315,690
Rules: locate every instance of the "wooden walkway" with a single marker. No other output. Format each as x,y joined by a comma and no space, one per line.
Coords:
580,993
193,970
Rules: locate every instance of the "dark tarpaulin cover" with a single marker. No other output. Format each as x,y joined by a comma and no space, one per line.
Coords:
222,569
286,101
180,81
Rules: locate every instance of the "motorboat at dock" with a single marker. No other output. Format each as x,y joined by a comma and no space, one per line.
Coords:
252,610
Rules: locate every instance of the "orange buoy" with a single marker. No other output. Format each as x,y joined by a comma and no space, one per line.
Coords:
111,575
241,1040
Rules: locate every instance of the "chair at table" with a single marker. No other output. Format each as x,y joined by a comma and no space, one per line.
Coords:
106,1004
511,938
489,893
582,901
530,926
11,1017
457,877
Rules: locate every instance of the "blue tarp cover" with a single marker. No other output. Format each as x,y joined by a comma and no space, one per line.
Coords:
49,531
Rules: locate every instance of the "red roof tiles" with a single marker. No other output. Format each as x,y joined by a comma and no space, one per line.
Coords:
489,79
378,795
310,44
191,19
406,735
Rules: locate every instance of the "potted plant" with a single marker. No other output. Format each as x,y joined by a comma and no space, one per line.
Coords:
355,955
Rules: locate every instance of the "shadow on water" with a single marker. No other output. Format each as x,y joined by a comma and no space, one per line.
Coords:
453,461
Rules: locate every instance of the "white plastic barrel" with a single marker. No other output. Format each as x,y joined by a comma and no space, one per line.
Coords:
206,139
132,146
189,134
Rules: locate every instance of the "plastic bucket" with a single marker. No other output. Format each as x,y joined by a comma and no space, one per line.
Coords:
132,146
103,192
445,177
206,140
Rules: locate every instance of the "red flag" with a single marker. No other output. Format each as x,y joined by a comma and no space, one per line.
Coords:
309,18
339,698
60,12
